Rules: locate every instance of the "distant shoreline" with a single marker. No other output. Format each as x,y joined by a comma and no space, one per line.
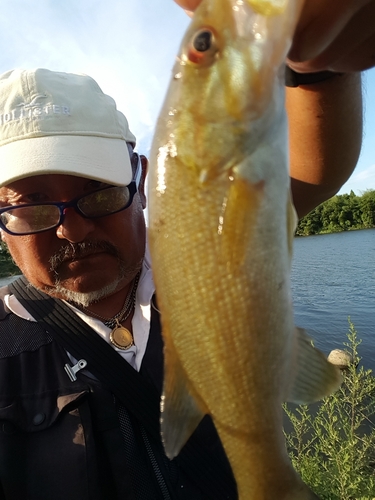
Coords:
342,212
9,269
322,233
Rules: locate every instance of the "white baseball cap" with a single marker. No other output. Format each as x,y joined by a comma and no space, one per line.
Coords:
61,123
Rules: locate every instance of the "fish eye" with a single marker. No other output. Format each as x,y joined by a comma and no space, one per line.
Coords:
202,41
202,47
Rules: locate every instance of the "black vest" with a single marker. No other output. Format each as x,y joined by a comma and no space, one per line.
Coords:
62,440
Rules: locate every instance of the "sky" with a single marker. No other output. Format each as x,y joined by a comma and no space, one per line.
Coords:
128,47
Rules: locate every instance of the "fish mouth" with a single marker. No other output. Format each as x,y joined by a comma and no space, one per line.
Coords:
73,252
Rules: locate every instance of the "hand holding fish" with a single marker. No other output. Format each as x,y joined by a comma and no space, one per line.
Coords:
324,147
335,35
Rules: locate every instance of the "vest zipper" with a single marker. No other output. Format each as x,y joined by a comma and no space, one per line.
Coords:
159,476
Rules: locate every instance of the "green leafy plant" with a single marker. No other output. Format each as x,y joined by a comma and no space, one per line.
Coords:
7,265
342,212
332,445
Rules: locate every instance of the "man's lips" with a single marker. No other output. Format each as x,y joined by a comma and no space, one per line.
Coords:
83,256
78,252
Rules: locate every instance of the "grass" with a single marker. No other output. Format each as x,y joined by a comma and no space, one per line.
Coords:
333,446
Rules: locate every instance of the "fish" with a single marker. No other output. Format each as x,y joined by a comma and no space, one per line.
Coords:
221,228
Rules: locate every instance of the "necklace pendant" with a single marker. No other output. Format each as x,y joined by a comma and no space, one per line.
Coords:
121,337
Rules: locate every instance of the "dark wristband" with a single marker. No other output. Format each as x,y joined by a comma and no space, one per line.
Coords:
294,79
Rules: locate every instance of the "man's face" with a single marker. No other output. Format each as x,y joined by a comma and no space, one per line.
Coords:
93,257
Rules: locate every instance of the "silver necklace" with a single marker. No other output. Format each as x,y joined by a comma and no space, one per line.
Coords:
153,304
121,337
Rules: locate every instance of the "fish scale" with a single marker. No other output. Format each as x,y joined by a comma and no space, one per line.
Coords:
221,226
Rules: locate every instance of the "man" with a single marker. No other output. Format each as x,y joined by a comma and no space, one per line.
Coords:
71,207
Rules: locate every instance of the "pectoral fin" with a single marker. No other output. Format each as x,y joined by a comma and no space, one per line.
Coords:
315,376
180,412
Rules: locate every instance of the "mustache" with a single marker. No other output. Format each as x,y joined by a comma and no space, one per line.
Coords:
72,251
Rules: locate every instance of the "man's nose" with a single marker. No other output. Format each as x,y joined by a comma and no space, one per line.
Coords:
74,228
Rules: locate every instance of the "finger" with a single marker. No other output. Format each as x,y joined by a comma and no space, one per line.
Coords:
189,5
360,58
320,24
352,50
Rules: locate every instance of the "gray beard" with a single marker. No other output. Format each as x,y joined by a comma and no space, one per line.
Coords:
85,299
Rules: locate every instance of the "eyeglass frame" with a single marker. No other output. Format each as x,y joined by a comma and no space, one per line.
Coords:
62,206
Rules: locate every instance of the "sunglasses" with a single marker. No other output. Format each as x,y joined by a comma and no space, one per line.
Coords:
32,218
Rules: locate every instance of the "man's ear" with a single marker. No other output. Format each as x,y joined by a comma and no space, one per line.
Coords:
141,188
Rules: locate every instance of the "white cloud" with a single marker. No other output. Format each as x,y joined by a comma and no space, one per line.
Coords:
360,181
365,175
128,47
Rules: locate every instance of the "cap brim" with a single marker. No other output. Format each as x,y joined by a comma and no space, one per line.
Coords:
100,158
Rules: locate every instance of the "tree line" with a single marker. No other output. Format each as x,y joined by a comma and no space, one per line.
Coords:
343,212
7,265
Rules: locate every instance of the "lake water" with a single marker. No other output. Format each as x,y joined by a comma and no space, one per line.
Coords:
5,281
333,277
